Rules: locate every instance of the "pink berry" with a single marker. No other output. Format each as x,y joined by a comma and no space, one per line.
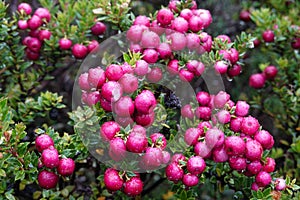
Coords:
177,41
93,98
124,107
135,33
203,112
187,112
205,17
253,150
98,28
254,167
65,43
173,67
150,55
186,75
155,75
191,136
96,77
263,179
141,68
296,43
166,157
174,172
220,155
109,129
136,142
34,44
234,145
192,41
202,150
245,15
93,46
220,67
150,39
44,35
47,180
133,187
221,99
165,16
190,180
234,70
195,24
145,102
111,91
173,4
265,139
152,158
203,98
50,157
114,72
268,36
177,157
234,55
25,7
43,13
270,72
83,81
142,20
124,121
164,50
117,149
22,24
257,80
112,180
127,68
180,24
204,125
237,163
159,140
155,27
254,186
66,166
214,138
241,108
31,55
196,67
280,184
195,165
186,14
129,83
224,38
223,116
249,125
43,142
79,51
269,165
144,119
105,104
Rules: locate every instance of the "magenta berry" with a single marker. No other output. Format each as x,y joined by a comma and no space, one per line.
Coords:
164,50
159,140
195,165
186,14
249,125
44,35
31,55
25,7
253,150
296,43
254,167
270,72
111,91
203,112
254,186
223,116
93,46
124,121
173,67
191,136
93,98
124,107
105,104
83,81
263,179
166,157
221,99
174,172
136,142
96,77
150,39
178,41
196,67
47,179
142,20
237,163
155,75
186,111
43,142
224,38
79,51
114,72
178,157
22,24
152,158
190,180
202,150
257,81
144,119
129,83
50,157
205,17
214,137
280,184
195,23
127,68
109,129
265,139
43,13
133,187
269,165
150,55
180,24
65,43
135,33
245,15
142,67
268,36
66,166
145,102
192,41
234,145
241,108
220,155
98,28
203,98
220,67
165,16
34,44
234,70
186,75
117,149
112,180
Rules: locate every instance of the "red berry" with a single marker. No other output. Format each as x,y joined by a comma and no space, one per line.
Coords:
145,102
220,155
269,165
186,14
47,180
155,75
112,180
241,108
98,28
124,107
165,16
202,150
178,157
109,129
265,139
203,98
173,67
268,36
25,7
173,5
245,15
44,35
117,149
124,121
129,83
205,16
96,77
223,116
253,150
237,163
66,166
144,119
142,20
196,67
191,136
105,104
263,179
22,24
31,55
111,91
136,142
256,42
190,180
150,55
79,51
234,145
174,172
195,165
43,13
159,140
254,186
65,43
141,67
133,187
43,142
257,81
234,70
50,157
93,46
164,50
270,72
249,125
34,44
296,43
114,72
186,75
254,167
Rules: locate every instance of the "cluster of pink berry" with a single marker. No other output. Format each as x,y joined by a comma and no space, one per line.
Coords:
48,178
242,148
258,80
39,31
115,180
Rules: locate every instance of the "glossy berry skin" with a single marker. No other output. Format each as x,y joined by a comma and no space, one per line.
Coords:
237,163
83,81
174,172
214,138
129,83
177,41
66,166
235,70
195,165
270,72
124,107
34,44
203,112
22,24
249,125
79,51
109,129
65,43
117,149
190,180
142,20
31,55
50,157
220,99
145,102
164,16
187,112
44,35
268,36
47,179
173,66
135,32
195,24
245,15
254,167
241,108
265,139
269,165
150,39
141,67
43,13
111,91
155,75
133,187
191,136
136,142
220,155
43,142
253,150
114,72
220,67
203,98
93,46
96,77
98,28
186,13
263,179
280,184
93,98
254,186
223,116
150,56
164,50
112,180
192,41
152,158
144,119
180,24
196,67
235,124
234,145
25,7
186,75
202,150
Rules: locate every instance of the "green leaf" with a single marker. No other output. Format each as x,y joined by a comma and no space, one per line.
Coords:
20,175
2,173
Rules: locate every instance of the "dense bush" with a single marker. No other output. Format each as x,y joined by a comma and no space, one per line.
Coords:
150,123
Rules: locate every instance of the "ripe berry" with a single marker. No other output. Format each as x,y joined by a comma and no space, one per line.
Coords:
145,102
254,167
31,55
220,155
155,75
174,172
105,104
220,67
204,125
117,149
142,20
177,41
43,13
79,51
164,50
241,108
203,98
141,67
165,16
296,43
114,72
135,33
34,44
173,67
22,24
83,81
186,75
265,139
253,150
127,68
203,112
270,72
166,157
263,179
195,24
111,91
155,27
186,111
124,121
249,125
195,165
44,35
96,77
180,24
93,98
214,138
150,39
43,142
234,145
186,14
150,55
144,119
66,166
178,157
47,180
196,67
133,187
93,46
65,43
268,36
109,129
202,150
159,140
205,16
221,99
98,28
136,142
190,180
254,186
269,165
224,38
152,158
223,116
124,107
129,83
112,180
257,81
245,15
25,7
192,41
50,157
234,70
280,184
237,163
191,136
